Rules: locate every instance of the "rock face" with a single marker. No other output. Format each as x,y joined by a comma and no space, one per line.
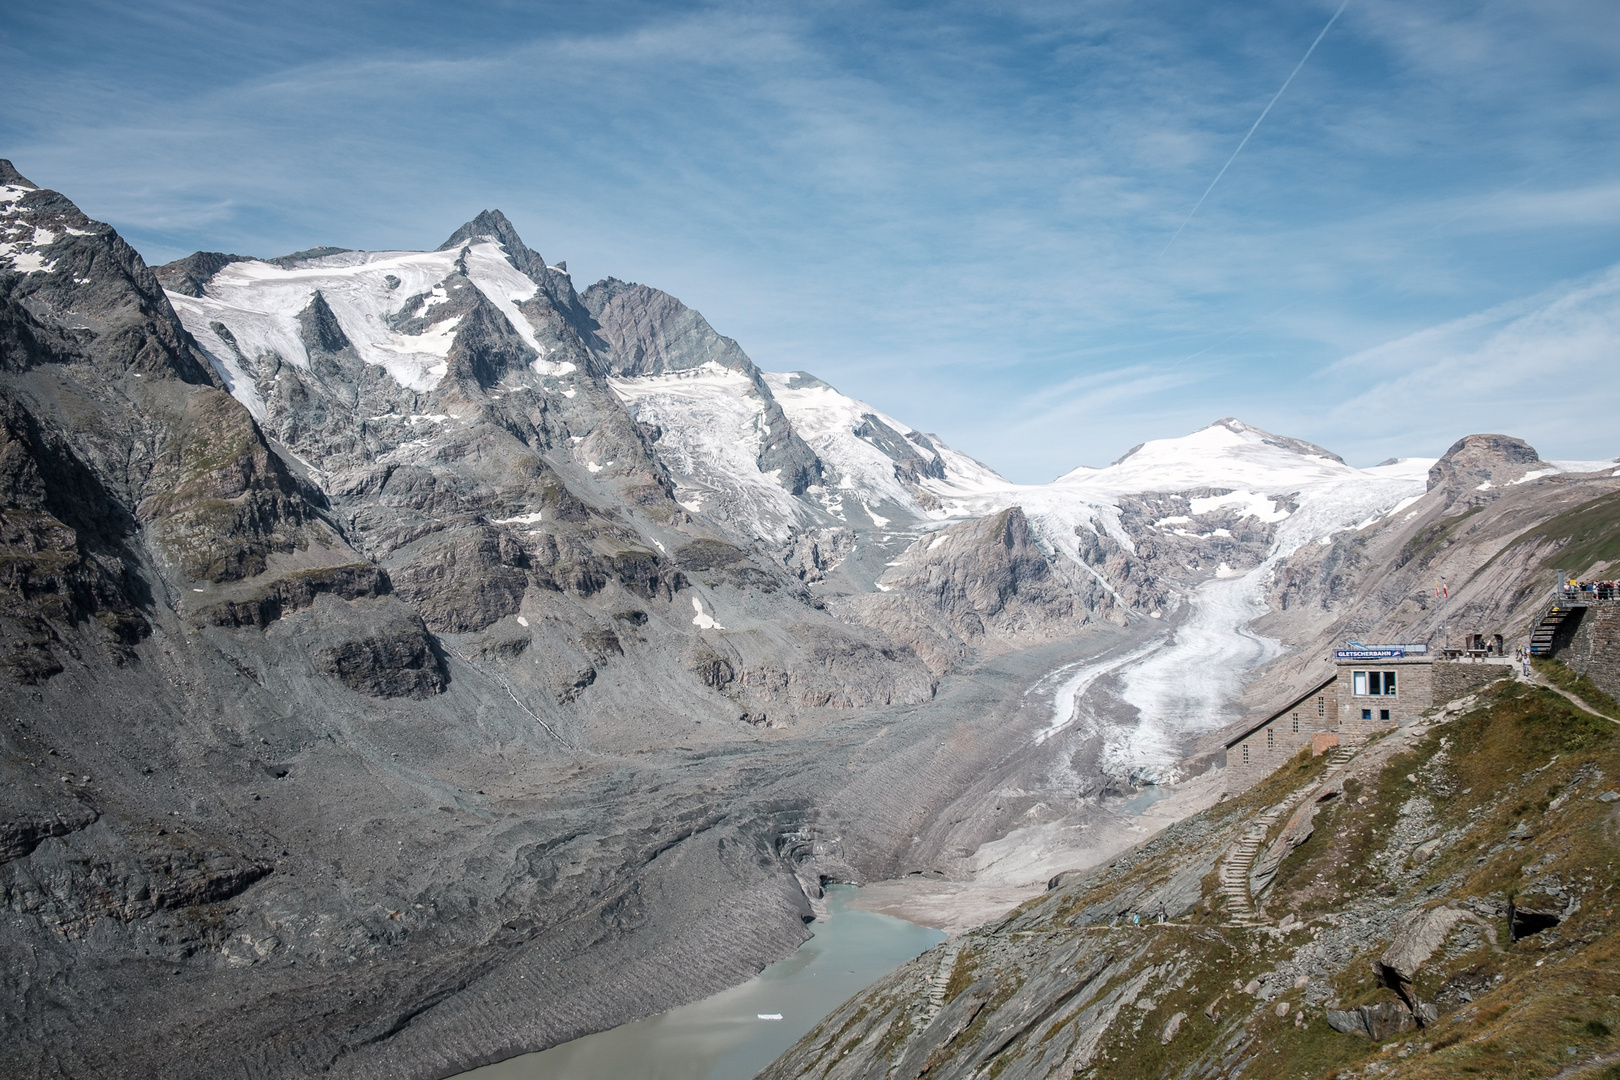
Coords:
648,332
984,578
1482,462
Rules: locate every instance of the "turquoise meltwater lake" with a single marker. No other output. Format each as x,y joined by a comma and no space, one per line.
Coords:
723,1037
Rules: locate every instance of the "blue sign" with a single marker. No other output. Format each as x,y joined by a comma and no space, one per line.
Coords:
1370,654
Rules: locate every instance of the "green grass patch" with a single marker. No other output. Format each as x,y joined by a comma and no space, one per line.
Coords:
1588,534
1563,677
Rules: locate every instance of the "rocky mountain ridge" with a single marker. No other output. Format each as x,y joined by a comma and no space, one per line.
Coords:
402,646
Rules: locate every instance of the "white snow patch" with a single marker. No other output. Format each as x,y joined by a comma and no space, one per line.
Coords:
1251,503
1580,466
1402,505
877,519
27,262
702,620
259,302
522,621
521,519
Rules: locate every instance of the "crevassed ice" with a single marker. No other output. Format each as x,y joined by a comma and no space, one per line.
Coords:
714,430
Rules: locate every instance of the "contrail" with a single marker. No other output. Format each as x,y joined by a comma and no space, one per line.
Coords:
1344,4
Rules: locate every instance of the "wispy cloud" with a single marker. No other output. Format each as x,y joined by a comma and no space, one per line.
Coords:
1544,368
955,211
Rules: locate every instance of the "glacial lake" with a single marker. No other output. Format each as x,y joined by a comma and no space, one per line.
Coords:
722,1037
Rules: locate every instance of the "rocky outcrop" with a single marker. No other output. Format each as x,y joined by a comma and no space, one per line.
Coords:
1479,463
189,276
984,579
1411,948
379,647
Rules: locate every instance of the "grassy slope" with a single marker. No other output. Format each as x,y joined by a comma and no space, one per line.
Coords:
1503,765
1511,787
1587,535
1557,673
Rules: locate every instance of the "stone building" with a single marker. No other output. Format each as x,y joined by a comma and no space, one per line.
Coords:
1312,719
1371,690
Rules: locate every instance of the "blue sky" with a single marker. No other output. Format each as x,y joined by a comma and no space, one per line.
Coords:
959,212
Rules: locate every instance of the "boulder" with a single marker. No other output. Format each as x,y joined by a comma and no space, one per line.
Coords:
1377,1022
1413,945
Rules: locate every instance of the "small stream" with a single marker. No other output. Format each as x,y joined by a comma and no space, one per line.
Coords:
725,1037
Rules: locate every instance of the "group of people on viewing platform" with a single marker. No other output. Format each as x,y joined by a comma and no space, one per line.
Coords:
1598,590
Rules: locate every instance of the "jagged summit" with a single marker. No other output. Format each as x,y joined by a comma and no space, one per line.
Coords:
493,225
10,177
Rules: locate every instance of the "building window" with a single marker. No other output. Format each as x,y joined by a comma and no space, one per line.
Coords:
1245,753
1296,723
1383,714
1321,705
1270,740
1372,683
1366,714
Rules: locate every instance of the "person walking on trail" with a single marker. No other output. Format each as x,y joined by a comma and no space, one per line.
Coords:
1162,914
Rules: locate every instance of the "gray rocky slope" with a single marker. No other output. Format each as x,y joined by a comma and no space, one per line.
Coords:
394,730
380,699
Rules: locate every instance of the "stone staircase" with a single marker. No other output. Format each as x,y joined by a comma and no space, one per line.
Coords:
1234,869
1565,604
941,979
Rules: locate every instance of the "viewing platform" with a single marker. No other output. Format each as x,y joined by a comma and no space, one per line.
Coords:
1564,609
